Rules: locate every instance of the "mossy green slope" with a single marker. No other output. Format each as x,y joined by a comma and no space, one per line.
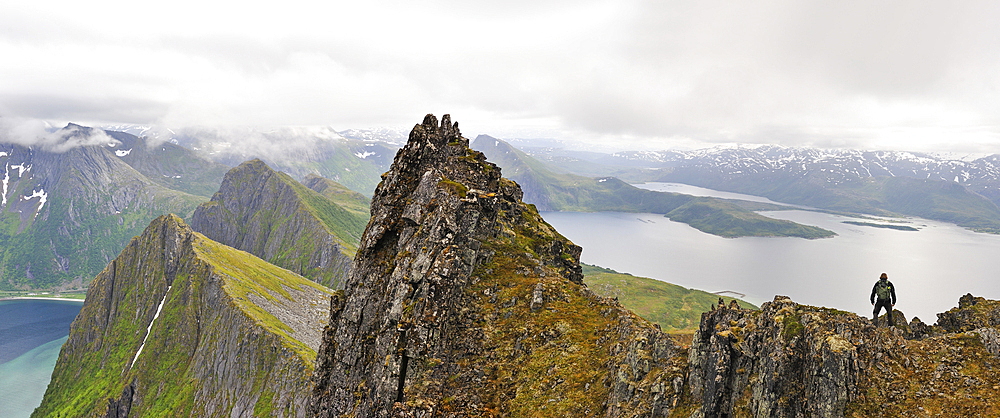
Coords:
269,214
549,190
179,325
673,307
352,201
93,204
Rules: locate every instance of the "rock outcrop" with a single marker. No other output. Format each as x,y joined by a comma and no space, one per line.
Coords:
791,360
179,325
270,215
464,302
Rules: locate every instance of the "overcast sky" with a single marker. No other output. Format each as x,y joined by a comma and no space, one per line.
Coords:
639,75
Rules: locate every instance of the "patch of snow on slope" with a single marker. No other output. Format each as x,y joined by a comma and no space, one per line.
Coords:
6,179
21,169
150,327
363,155
122,153
40,193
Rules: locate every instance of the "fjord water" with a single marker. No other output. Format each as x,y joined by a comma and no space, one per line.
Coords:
31,335
931,268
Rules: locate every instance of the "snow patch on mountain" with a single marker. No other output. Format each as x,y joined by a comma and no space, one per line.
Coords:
39,194
6,179
122,153
363,155
21,168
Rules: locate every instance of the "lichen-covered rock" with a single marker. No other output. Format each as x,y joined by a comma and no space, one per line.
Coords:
463,302
972,312
178,325
270,215
791,360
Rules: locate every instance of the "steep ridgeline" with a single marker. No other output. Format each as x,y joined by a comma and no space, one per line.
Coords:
550,190
270,215
791,360
464,302
179,325
68,209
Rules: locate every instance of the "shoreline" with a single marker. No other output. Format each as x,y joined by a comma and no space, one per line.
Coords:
39,298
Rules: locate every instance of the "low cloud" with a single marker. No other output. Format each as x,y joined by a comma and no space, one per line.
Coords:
41,135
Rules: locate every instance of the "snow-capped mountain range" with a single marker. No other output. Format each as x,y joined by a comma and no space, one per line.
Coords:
978,173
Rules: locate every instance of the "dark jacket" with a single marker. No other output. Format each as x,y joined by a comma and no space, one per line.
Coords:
892,291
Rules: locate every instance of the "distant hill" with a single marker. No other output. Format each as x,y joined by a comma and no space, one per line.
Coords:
350,200
549,190
964,190
672,307
269,214
169,165
64,215
179,325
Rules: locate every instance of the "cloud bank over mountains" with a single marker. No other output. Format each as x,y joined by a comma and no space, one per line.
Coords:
627,75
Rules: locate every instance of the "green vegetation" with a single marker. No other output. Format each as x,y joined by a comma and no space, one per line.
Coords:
672,307
346,226
454,186
344,197
71,295
875,225
207,313
246,273
725,219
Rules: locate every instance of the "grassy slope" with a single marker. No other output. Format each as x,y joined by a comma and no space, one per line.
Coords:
347,226
671,306
346,198
569,192
100,371
246,273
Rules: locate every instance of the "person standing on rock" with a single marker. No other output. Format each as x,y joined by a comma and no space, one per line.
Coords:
886,293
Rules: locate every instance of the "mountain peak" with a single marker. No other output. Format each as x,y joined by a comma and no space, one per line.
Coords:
463,300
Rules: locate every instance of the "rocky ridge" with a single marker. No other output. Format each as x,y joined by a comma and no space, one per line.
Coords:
464,302
270,215
180,325
791,360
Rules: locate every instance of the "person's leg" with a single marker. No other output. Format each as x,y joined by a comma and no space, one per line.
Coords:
875,312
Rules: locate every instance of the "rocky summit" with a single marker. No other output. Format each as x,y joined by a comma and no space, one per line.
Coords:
464,302
269,214
792,360
179,325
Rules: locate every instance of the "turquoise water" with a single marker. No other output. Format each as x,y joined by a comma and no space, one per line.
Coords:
31,334
23,380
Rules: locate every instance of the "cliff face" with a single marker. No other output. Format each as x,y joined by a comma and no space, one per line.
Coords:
65,215
270,215
179,325
791,360
464,301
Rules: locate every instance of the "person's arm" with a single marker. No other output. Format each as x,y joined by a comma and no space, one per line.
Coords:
872,298
892,291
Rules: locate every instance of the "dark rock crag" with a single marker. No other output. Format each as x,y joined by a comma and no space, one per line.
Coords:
270,215
791,360
464,302
178,325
